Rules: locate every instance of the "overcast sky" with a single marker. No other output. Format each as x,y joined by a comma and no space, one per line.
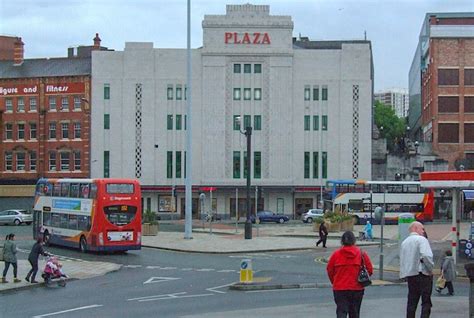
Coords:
49,27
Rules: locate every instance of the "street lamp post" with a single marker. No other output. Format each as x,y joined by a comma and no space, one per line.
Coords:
248,223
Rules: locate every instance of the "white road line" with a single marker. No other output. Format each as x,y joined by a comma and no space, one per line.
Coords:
132,266
155,296
176,297
213,289
227,271
69,310
276,290
205,270
187,269
153,267
171,267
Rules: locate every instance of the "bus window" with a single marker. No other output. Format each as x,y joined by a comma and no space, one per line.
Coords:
47,218
93,191
120,214
57,190
65,189
74,190
39,190
64,222
395,188
55,222
83,223
122,188
411,188
85,190
48,189
72,222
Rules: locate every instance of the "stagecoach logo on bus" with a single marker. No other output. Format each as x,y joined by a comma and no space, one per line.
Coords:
120,198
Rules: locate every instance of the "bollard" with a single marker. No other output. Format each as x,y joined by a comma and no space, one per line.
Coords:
469,267
246,273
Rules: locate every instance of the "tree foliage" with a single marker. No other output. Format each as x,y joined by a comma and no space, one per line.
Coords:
391,127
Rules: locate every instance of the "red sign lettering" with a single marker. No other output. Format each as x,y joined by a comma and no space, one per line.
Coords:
246,38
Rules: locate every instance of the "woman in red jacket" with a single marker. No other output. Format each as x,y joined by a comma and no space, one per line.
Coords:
343,269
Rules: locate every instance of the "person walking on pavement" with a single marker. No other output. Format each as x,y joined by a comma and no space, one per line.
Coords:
416,266
448,272
323,234
9,257
36,251
343,271
368,231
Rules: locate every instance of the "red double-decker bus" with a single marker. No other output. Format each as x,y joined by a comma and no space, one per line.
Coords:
89,214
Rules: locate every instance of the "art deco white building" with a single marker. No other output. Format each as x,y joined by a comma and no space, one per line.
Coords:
397,98
309,103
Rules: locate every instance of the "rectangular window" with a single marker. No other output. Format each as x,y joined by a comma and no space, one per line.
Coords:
468,76
8,131
178,122
106,164
248,68
185,164
52,161
307,93
247,121
21,131
33,160
77,130
52,103
247,93
8,104
257,93
316,93
64,104
33,131
257,164
169,164
237,122
20,161
448,132
185,121
237,68
316,122
185,92
324,93
64,158
77,160
469,104
178,164
315,165
64,130
32,104
257,122
448,76
245,164
106,91
236,93
324,124
448,104
77,103
325,165
257,68
307,122
469,133
306,164
21,104
52,130
8,161
169,92
106,121
236,164
179,92
169,122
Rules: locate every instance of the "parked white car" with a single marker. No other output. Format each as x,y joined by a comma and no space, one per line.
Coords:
312,214
16,217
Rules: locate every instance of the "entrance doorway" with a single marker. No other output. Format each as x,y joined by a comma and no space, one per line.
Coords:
195,209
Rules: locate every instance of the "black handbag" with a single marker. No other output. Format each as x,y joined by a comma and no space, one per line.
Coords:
363,278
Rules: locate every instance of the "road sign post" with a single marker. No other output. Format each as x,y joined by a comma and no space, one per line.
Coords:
246,273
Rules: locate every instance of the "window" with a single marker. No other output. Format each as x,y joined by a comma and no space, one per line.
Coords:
77,130
469,104
257,164
307,122
469,133
248,68
77,103
52,130
65,130
237,122
32,104
106,91
324,93
178,122
247,121
52,161
448,132
64,159
106,164
33,160
178,164
324,124
325,164
236,164
257,122
33,130
257,93
64,104
106,121
236,93
179,92
247,93
306,165
468,76
52,103
77,160
185,119
448,76
169,164
307,93
8,104
8,161
169,92
448,104
21,131
237,68
316,93
20,161
8,131
315,165
185,92
169,122
257,68
21,104
316,122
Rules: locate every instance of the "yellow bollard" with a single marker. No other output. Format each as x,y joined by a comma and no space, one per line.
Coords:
246,273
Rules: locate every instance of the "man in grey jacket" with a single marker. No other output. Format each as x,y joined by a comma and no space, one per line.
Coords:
416,266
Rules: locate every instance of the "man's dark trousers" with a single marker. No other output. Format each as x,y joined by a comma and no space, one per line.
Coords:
419,286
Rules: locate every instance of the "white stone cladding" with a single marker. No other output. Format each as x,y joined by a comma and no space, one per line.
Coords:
286,70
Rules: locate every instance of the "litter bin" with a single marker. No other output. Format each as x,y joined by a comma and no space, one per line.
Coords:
404,221
465,249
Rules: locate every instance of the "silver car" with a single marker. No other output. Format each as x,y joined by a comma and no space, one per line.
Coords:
16,217
312,214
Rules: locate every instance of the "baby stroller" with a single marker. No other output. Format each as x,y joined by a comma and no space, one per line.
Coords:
53,272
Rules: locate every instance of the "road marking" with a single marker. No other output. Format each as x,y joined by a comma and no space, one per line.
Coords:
159,279
283,289
227,271
171,267
213,289
187,269
69,310
167,296
205,270
132,266
155,296
153,267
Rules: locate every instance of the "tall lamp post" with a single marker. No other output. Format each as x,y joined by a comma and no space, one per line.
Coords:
248,133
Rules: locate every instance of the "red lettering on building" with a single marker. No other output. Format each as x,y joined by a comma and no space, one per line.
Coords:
246,38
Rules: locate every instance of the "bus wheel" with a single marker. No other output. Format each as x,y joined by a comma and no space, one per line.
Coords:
46,238
355,219
83,244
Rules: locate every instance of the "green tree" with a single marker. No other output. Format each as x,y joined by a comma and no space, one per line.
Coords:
389,124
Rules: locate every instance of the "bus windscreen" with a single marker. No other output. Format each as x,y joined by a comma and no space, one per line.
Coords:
119,188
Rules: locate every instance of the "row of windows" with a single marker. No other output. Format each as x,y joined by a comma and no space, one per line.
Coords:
257,164
19,103
173,92
257,68
180,157
21,131
67,190
307,122
21,163
451,76
315,161
257,94
450,104
67,221
449,132
307,93
18,160
180,121
257,122
65,133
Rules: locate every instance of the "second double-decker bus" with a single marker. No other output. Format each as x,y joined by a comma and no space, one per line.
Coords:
360,198
89,214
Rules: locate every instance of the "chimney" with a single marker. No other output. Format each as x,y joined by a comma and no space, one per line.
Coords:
97,42
18,52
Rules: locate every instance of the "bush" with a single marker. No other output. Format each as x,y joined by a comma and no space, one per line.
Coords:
149,217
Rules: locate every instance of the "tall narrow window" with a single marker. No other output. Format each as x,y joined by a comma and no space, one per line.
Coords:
307,122
64,104
106,91
237,68
169,92
324,93
33,131
8,104
325,165
178,164
179,92
178,122
169,122
52,161
247,121
315,165
21,131
33,160
21,104
236,165
257,164
8,131
257,94
77,103
77,160
315,93
52,103
20,161
324,124
307,93
77,130
247,93
65,130
52,130
8,161
236,93
185,121
169,164
247,68
306,165
106,164
257,68
316,122
64,159
257,122
236,122
106,121
32,104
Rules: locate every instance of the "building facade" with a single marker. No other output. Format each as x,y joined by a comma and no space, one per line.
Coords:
442,86
397,98
309,104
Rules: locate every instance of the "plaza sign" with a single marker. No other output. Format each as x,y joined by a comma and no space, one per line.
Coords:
246,38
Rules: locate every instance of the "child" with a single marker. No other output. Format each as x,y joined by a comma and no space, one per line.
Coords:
368,231
448,271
